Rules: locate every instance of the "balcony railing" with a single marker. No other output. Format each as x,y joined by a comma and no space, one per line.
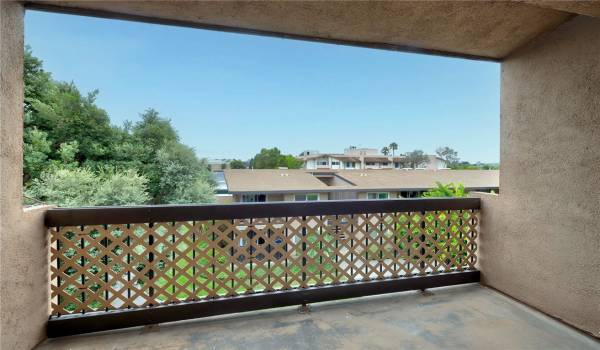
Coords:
114,267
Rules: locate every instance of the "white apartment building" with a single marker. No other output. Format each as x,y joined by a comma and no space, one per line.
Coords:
361,158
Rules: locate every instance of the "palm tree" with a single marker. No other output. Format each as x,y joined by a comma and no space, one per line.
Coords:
393,147
385,151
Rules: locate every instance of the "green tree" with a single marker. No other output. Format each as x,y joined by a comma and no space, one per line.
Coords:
272,158
67,152
65,115
37,82
237,164
154,131
385,151
393,147
489,166
122,188
477,166
416,159
290,162
70,116
67,137
36,148
448,190
129,154
174,169
267,158
449,155
200,191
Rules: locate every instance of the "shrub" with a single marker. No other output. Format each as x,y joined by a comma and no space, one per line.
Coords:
82,187
449,190
122,188
65,187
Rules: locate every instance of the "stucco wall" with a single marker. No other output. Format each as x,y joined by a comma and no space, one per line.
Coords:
540,238
24,291
23,242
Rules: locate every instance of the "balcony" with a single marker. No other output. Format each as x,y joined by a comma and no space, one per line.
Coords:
122,267
461,317
537,241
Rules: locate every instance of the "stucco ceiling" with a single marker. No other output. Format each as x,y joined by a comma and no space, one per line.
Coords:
588,8
488,30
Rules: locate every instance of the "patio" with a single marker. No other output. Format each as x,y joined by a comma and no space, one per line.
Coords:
466,317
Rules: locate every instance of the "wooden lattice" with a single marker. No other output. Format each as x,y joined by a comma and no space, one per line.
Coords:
111,267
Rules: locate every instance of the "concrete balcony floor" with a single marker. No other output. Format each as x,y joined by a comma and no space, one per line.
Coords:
460,317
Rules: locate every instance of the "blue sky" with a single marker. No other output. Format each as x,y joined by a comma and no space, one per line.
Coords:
229,95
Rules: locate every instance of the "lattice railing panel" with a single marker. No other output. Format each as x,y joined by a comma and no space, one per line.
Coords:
112,267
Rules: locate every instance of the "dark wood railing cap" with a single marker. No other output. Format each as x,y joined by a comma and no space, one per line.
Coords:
170,213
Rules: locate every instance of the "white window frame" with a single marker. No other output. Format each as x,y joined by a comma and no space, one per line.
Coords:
306,197
377,194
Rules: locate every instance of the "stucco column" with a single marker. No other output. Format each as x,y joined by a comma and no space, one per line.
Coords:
23,243
11,109
540,238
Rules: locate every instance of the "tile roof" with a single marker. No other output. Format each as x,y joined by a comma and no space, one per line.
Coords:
293,180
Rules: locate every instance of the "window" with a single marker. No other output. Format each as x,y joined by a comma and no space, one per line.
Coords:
322,162
335,163
350,164
371,163
385,163
396,164
251,198
378,195
306,197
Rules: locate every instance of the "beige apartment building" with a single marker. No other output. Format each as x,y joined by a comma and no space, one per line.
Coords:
362,158
292,185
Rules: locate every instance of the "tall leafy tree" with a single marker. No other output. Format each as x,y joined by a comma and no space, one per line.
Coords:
267,158
175,169
237,164
290,162
38,83
36,150
63,115
154,131
449,155
68,136
393,147
385,150
71,116
272,158
416,159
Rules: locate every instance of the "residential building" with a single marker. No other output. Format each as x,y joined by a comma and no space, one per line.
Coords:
362,158
293,185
